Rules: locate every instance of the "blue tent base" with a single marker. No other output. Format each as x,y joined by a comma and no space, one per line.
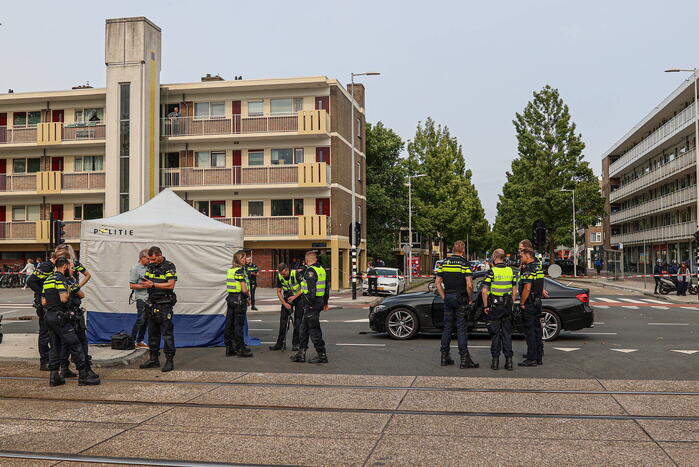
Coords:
190,330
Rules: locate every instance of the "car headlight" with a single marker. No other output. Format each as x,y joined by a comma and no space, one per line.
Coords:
391,284
378,308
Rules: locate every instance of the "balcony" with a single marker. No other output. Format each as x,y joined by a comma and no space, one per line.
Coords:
51,182
302,122
666,233
670,128
663,203
303,227
35,231
305,174
673,167
45,134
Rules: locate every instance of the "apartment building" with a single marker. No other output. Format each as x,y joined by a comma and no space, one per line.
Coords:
649,185
272,156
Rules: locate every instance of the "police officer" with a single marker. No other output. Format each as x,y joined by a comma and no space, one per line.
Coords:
531,291
315,294
498,294
289,294
236,308
60,323
454,284
252,270
36,283
161,276
74,307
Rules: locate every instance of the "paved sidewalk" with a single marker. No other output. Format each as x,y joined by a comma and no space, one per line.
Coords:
631,285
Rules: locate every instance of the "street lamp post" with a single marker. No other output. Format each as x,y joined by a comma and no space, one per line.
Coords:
353,238
575,264
410,225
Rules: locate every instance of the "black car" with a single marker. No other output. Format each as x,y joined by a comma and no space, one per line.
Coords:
403,316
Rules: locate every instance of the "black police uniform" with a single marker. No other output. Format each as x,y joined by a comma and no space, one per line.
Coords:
236,313
532,273
36,283
250,269
159,309
500,280
285,316
372,281
312,307
454,270
74,306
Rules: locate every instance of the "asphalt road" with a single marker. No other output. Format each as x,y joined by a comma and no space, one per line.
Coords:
635,337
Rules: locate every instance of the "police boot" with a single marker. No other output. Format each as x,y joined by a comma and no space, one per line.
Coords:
153,362
527,362
277,346
169,364
466,361
495,364
299,356
55,379
320,358
446,359
86,379
230,351
508,363
295,348
244,352
66,373
44,367
89,368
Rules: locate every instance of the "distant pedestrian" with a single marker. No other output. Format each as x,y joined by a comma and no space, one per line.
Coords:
598,265
657,272
683,280
27,270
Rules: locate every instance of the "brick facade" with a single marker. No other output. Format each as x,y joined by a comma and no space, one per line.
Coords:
263,259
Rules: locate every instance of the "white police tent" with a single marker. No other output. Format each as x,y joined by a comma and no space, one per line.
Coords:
200,247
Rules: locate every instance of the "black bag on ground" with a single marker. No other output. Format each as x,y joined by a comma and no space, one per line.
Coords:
122,341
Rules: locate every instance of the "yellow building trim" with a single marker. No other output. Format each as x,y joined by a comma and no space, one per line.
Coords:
43,231
151,123
48,182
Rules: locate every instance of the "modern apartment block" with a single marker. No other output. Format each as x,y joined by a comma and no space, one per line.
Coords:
272,156
649,185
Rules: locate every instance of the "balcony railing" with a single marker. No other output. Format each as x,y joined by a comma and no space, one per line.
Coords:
666,131
311,226
19,230
666,233
58,181
83,180
663,203
647,179
52,133
308,122
18,182
194,176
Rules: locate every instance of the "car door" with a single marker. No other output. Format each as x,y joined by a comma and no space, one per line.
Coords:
438,311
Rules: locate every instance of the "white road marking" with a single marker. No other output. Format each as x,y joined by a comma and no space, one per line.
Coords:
567,349
254,321
472,346
323,321
250,329
668,324
364,345
625,350
272,342
361,320
688,352
630,307
660,307
650,300
595,333
629,300
601,306
598,322
689,308
607,300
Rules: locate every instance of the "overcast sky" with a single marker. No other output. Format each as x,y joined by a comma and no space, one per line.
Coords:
469,65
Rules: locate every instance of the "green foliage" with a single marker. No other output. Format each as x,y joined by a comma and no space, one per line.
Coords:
550,157
386,191
445,202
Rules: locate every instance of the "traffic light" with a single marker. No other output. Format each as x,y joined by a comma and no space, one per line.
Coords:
696,236
357,233
539,234
59,232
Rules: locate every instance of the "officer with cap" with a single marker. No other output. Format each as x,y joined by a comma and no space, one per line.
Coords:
315,294
252,270
161,276
289,294
531,291
237,286
498,295
454,284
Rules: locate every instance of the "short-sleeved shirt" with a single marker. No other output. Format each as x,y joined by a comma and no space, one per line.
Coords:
53,287
490,277
138,272
158,274
250,268
454,270
533,274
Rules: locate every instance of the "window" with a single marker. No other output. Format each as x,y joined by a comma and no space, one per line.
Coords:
31,165
282,207
209,109
255,108
323,206
298,207
26,118
359,171
282,156
89,164
595,237
218,209
298,155
285,106
90,211
89,115
211,159
26,213
256,157
255,208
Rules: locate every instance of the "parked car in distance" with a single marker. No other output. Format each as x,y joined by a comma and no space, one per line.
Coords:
390,282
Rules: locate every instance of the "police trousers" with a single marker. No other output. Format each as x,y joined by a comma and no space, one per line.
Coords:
159,318
63,336
500,329
295,314
81,333
455,312
44,339
310,324
236,314
531,322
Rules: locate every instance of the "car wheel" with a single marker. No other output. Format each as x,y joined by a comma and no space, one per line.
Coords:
550,325
401,324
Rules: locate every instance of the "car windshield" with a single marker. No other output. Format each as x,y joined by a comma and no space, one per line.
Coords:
385,272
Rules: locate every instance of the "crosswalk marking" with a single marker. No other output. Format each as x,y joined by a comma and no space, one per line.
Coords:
361,320
567,349
668,324
630,307
660,307
607,300
650,300
594,333
689,307
625,350
629,300
601,306
363,345
687,352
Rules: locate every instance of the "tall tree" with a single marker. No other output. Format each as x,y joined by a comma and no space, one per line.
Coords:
446,202
386,191
550,159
